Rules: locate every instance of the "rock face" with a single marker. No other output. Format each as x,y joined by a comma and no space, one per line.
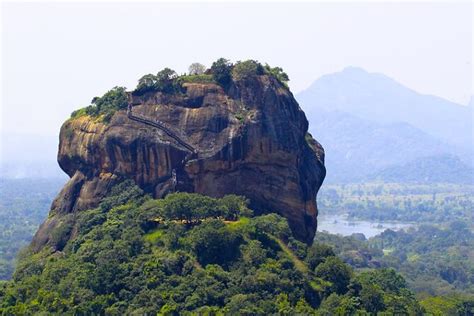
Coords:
251,139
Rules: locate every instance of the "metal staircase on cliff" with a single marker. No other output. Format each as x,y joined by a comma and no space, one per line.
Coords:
161,126
170,133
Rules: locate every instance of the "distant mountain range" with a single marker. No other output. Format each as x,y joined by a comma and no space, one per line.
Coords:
442,168
371,126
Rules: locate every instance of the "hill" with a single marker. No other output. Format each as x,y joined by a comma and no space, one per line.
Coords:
189,254
369,122
432,169
378,98
356,148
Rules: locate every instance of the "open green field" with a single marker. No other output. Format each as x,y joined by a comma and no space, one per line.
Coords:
400,202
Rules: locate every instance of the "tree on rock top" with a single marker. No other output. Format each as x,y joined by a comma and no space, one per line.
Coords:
196,69
222,71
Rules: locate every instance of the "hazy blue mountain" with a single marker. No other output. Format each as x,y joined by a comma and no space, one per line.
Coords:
368,124
356,148
442,168
376,97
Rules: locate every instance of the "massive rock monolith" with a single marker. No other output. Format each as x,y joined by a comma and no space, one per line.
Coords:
251,139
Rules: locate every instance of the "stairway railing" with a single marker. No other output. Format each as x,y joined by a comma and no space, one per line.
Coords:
170,133
161,126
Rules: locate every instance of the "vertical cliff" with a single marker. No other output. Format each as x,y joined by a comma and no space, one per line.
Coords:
250,138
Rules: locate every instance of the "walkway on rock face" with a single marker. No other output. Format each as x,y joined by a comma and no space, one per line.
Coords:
160,125
170,133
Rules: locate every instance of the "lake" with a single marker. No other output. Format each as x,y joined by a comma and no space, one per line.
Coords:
340,224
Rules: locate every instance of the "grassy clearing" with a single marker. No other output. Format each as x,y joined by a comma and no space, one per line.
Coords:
299,265
236,225
154,236
197,79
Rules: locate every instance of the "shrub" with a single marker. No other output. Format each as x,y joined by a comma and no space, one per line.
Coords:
61,233
106,105
246,69
317,253
194,208
166,81
466,307
278,74
221,71
190,207
114,99
388,280
253,253
371,297
235,206
79,113
121,193
336,272
297,247
146,83
212,242
272,224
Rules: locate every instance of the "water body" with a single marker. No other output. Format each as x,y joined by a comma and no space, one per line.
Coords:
340,224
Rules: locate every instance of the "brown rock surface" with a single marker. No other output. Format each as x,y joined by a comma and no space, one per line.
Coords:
251,140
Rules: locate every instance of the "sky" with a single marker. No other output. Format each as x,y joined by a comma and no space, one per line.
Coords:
57,57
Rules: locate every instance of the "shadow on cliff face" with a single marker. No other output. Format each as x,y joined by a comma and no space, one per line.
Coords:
250,139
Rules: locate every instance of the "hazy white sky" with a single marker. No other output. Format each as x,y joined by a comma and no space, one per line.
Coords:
57,57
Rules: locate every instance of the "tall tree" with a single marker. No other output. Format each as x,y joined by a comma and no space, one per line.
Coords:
196,69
